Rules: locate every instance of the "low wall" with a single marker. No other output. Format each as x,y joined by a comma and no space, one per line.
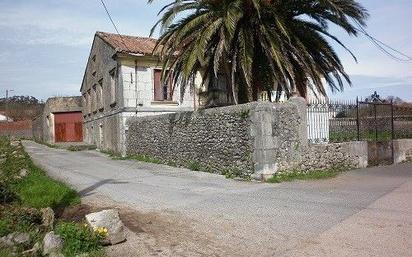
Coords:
337,155
244,139
402,150
16,129
257,139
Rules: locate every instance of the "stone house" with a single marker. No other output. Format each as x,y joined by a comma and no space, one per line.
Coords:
123,79
61,121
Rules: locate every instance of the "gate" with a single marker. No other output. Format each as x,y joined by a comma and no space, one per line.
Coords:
376,126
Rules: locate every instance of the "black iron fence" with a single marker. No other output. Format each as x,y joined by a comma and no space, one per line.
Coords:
343,121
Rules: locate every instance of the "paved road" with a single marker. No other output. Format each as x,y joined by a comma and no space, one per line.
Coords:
361,213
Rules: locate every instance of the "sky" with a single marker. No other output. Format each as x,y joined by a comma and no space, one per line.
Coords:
44,44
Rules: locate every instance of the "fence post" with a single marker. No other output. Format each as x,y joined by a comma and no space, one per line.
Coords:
357,118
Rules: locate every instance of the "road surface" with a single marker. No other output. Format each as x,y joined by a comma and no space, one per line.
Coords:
364,212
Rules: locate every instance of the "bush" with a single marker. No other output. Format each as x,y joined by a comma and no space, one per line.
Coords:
78,239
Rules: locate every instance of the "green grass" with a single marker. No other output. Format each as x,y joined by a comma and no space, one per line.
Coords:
79,239
36,190
297,175
39,191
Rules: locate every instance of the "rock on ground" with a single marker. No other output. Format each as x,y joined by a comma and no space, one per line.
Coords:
52,243
15,238
110,220
23,173
47,218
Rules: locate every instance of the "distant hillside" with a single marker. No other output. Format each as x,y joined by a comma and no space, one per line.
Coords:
21,107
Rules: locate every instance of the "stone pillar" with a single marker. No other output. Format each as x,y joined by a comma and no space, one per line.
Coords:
301,105
283,144
264,147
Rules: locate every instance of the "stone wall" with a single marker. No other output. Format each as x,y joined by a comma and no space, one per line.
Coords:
215,139
331,156
242,139
402,150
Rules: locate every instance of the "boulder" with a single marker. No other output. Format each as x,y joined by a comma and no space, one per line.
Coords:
52,243
47,216
110,220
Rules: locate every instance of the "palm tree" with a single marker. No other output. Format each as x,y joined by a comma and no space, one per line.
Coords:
257,45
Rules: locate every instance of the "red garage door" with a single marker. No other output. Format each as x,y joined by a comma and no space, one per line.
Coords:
68,127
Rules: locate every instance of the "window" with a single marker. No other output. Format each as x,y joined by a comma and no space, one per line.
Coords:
84,100
94,99
100,95
89,102
94,58
162,91
113,82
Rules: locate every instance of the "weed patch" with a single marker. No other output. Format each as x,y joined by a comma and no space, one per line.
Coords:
78,148
78,239
299,175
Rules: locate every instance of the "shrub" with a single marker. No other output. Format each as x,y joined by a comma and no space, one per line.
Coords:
78,239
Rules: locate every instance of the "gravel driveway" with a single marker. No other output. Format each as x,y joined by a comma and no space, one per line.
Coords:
360,213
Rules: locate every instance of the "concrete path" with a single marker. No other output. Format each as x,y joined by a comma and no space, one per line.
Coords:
360,213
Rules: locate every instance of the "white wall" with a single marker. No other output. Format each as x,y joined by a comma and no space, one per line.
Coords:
138,84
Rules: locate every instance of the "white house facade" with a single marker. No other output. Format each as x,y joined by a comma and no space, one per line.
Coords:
123,79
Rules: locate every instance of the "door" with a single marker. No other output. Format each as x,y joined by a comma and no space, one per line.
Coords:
68,127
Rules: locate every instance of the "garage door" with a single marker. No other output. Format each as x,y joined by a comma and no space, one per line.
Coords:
68,127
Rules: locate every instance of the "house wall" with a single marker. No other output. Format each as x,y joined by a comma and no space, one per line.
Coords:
105,125
138,84
43,125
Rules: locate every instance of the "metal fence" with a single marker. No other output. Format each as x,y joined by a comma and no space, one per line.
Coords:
343,121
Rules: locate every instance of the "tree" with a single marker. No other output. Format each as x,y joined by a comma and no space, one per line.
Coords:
257,45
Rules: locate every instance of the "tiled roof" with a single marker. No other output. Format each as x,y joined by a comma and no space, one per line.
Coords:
129,44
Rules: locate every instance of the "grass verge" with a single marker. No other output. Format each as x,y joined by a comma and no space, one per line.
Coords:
24,189
299,175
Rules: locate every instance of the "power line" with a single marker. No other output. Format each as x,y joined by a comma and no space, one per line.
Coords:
114,24
383,47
